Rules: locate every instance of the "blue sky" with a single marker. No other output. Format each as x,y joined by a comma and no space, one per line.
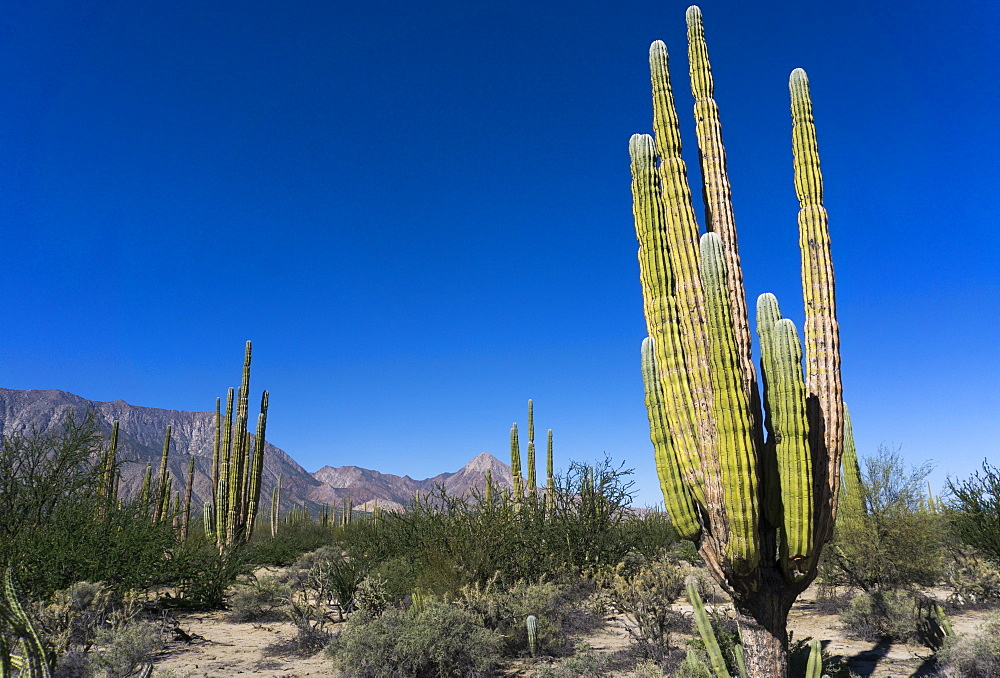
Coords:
420,213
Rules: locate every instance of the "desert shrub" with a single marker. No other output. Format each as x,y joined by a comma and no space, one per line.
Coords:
505,610
371,595
442,543
121,650
203,573
974,510
973,579
293,540
644,597
584,662
260,600
897,542
973,656
883,615
56,527
694,666
440,641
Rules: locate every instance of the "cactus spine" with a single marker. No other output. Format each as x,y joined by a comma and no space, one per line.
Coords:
236,495
759,510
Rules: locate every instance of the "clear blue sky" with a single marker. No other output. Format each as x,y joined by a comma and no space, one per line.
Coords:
420,213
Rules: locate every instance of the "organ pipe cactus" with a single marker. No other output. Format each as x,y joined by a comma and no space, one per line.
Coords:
162,505
239,467
187,499
531,624
515,464
759,507
550,480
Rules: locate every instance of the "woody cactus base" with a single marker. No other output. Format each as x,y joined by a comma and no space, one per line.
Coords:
751,476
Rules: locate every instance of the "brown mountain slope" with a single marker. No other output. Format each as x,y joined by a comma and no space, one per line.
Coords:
141,432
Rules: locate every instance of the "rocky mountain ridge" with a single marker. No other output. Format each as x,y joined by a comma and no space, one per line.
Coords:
141,434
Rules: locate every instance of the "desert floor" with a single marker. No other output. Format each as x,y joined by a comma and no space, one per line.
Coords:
223,648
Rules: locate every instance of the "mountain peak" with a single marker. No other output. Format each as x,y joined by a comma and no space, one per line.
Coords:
483,461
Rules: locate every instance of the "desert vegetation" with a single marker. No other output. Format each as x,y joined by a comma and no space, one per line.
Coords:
765,498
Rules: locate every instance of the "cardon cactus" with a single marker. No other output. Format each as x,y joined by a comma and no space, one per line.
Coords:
752,480
237,467
531,623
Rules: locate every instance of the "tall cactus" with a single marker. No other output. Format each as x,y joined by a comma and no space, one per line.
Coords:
515,464
532,481
759,508
236,495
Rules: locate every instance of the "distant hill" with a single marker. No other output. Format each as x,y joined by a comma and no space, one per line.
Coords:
140,440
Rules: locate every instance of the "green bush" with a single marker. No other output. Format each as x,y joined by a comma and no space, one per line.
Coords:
973,656
974,510
644,597
883,615
260,600
57,529
584,663
293,540
505,610
897,542
973,580
441,641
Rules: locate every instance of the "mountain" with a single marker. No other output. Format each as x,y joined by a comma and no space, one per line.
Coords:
140,441
365,486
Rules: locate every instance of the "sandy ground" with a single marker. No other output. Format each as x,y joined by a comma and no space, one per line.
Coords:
222,648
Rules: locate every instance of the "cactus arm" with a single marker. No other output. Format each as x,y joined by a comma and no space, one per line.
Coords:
705,630
532,626
717,193
216,443
162,490
734,425
257,469
814,667
661,310
853,498
681,237
822,332
515,463
532,481
786,401
550,481
187,499
226,453
676,496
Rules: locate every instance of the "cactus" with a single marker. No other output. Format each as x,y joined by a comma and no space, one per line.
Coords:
185,524
814,667
550,480
515,464
162,506
532,482
705,629
759,508
488,491
37,659
275,506
236,495
532,625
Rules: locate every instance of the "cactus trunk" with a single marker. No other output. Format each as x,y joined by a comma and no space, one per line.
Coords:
758,509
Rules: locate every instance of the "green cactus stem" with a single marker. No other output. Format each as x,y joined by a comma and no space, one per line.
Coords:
532,626
163,482
515,464
814,667
531,450
704,625
488,489
37,659
187,499
550,480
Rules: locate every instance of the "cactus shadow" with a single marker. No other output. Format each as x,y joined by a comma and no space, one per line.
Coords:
864,663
